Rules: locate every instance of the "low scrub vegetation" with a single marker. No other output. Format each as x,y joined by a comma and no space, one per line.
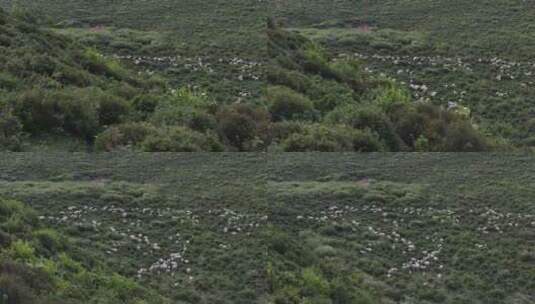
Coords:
309,86
39,265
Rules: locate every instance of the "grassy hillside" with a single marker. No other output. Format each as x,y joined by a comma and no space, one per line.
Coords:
153,219
61,93
288,228
401,228
40,265
476,54
480,27
217,45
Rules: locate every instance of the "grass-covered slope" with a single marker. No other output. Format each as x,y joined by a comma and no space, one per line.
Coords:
153,219
278,228
500,28
217,45
41,265
401,228
51,85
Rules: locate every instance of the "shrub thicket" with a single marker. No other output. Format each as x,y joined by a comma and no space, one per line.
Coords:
181,139
244,127
334,138
285,104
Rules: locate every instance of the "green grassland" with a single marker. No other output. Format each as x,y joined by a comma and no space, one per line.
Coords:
401,228
269,228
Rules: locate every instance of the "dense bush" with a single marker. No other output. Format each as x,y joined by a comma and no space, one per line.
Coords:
292,79
112,109
389,96
79,111
144,105
367,117
333,138
181,139
283,129
429,127
10,130
462,137
315,61
123,136
244,127
285,104
98,64
183,107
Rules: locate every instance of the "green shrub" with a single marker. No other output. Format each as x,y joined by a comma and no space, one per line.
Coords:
316,62
10,130
97,63
292,79
79,110
37,111
286,104
422,144
9,208
49,241
8,81
409,123
283,129
180,107
123,135
144,105
15,217
181,139
68,75
462,137
244,127
74,111
112,109
21,251
334,138
346,70
314,283
366,117
125,289
387,97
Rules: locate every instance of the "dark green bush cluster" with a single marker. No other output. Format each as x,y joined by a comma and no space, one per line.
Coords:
244,127
78,111
331,138
145,137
